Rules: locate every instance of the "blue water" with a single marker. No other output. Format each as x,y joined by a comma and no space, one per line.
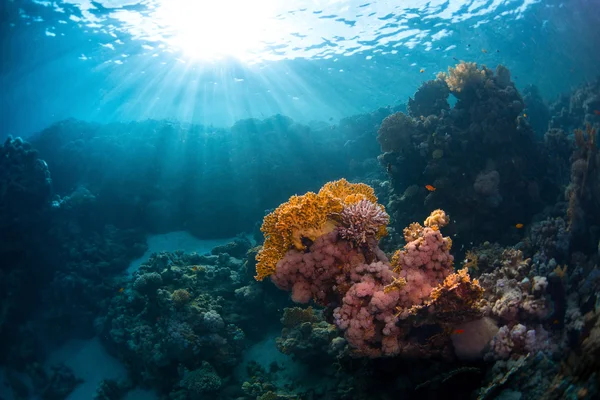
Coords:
214,64
172,188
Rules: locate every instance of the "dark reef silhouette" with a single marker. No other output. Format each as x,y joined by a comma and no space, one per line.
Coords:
497,297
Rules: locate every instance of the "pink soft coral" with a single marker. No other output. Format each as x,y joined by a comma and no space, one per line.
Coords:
424,262
346,267
367,312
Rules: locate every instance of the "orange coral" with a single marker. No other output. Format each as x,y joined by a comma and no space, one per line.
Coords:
454,281
349,193
412,232
305,217
560,272
437,218
471,261
457,299
397,284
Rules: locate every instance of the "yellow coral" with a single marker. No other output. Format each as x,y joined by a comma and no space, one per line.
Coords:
395,261
349,193
305,217
560,272
437,218
471,261
465,74
397,284
412,232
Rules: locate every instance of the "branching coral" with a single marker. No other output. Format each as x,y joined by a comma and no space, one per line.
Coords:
363,220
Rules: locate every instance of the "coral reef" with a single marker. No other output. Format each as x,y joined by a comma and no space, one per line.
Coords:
178,324
390,315
305,218
478,160
430,99
583,192
380,301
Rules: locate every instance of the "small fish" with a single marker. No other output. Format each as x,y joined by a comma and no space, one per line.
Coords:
519,226
331,118
455,59
597,112
525,115
483,50
430,188
458,331
422,70
195,268
121,290
497,51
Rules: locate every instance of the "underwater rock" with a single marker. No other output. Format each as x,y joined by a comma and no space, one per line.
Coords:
237,248
474,338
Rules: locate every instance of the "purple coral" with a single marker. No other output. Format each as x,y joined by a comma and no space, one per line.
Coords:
518,341
361,221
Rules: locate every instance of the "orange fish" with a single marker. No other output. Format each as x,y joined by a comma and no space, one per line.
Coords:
430,188
519,226
458,332
525,115
422,70
596,112
121,290
195,268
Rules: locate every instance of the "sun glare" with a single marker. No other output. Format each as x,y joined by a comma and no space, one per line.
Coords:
209,29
